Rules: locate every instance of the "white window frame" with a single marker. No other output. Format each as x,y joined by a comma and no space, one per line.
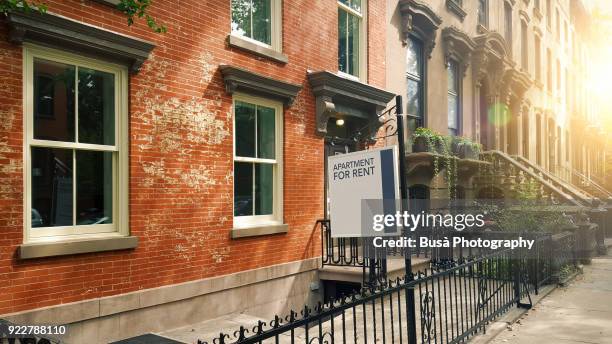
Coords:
120,187
363,40
453,66
276,27
277,216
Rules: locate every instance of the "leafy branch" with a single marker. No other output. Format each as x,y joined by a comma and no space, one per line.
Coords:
133,9
138,9
24,6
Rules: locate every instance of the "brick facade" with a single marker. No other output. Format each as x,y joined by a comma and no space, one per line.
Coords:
180,172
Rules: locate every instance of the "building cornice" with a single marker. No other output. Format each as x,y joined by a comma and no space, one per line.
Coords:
330,88
420,20
456,9
60,32
242,80
489,61
458,46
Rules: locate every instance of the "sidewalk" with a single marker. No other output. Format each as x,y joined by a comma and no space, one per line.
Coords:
578,313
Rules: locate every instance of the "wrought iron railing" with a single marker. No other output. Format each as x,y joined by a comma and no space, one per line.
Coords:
510,170
349,252
585,181
454,299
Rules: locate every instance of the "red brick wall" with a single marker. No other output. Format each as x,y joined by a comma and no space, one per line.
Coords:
180,154
377,34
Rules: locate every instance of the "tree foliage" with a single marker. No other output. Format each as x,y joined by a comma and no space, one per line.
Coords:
133,9
138,9
24,6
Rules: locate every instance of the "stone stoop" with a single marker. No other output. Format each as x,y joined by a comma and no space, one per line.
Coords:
354,274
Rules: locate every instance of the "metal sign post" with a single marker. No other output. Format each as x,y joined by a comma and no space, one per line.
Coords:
410,306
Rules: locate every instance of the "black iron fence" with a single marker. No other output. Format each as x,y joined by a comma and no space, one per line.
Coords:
454,299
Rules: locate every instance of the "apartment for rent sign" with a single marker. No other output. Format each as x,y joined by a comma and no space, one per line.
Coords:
356,177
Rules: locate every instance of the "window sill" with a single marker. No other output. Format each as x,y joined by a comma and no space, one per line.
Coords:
481,29
455,7
62,248
246,232
241,43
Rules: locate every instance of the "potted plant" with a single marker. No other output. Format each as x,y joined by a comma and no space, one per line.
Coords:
427,140
465,148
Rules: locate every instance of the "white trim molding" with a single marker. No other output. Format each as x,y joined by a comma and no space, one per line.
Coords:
119,150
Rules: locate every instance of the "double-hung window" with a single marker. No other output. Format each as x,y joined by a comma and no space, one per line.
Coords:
454,101
351,38
483,13
508,24
414,83
524,46
258,21
75,146
258,183
538,58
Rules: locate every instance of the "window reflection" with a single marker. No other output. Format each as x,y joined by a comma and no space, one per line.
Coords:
94,183
54,93
51,173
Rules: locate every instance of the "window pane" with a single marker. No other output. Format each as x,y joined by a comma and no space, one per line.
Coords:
94,185
508,23
353,44
342,43
241,17
452,113
414,104
51,187
354,4
243,188
262,21
264,189
265,132
96,107
482,12
413,57
53,101
245,129
451,73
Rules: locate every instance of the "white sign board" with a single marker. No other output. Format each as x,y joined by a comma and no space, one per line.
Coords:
358,176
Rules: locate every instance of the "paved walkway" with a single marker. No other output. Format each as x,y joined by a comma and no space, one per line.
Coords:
578,313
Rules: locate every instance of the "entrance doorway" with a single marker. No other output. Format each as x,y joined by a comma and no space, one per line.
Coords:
340,139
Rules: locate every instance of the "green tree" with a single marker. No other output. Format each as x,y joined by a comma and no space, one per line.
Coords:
132,9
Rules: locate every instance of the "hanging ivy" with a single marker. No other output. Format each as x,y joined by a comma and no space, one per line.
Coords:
440,146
